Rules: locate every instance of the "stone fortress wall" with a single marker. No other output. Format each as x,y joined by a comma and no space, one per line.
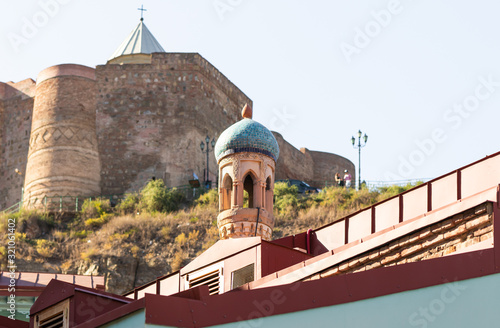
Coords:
16,109
151,119
313,167
110,129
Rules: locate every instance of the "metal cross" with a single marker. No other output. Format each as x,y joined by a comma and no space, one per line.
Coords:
142,11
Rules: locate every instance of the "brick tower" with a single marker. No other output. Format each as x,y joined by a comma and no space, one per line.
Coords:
246,153
63,159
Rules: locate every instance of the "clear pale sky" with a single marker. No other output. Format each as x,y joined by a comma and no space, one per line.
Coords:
421,78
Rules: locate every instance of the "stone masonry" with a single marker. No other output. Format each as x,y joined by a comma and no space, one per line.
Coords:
149,121
16,108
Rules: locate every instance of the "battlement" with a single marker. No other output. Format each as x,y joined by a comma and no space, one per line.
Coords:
24,88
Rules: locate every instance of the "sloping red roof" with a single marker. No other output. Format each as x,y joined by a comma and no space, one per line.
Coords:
37,281
57,291
203,310
9,323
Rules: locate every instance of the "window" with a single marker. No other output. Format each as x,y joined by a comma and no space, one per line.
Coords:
211,276
54,317
227,192
242,276
248,187
269,196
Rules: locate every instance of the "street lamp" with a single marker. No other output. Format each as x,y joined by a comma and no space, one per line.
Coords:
208,150
359,146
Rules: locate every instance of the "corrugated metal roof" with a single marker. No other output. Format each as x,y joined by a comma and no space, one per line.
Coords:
140,41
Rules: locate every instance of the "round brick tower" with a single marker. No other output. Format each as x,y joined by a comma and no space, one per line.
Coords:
246,153
63,159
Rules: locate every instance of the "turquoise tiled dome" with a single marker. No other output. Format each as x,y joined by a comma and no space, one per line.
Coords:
247,135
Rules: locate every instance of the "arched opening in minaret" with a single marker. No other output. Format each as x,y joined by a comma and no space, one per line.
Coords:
269,196
227,192
248,188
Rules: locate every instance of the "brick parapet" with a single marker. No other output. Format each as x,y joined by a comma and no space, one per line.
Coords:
196,63
25,89
66,70
441,239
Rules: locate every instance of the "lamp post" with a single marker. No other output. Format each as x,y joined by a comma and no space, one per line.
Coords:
208,150
359,146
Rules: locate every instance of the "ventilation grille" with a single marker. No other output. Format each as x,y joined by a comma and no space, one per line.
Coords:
242,276
56,321
211,279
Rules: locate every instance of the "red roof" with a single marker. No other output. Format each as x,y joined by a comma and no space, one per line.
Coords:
38,281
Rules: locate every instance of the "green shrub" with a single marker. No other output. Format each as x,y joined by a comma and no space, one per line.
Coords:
286,200
98,222
45,248
155,197
32,222
210,198
129,204
96,213
95,208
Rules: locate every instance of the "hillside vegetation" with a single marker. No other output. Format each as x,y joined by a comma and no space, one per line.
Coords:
157,231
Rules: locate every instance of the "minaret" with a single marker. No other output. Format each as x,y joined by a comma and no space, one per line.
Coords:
246,153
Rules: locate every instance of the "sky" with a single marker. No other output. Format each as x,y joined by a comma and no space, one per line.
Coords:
420,78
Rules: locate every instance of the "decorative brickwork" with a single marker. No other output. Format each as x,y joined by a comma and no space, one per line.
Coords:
235,220
444,238
63,158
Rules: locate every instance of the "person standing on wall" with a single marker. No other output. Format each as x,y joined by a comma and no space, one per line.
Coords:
338,180
347,179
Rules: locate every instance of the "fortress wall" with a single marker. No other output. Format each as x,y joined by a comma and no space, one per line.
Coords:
63,158
151,119
3,192
292,164
16,105
312,167
325,167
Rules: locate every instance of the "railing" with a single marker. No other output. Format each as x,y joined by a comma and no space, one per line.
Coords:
371,185
13,209
445,190
68,203
74,203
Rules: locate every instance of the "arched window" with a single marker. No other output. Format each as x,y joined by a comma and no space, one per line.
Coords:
269,195
248,187
227,192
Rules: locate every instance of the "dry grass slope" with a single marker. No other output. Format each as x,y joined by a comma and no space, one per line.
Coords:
156,232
